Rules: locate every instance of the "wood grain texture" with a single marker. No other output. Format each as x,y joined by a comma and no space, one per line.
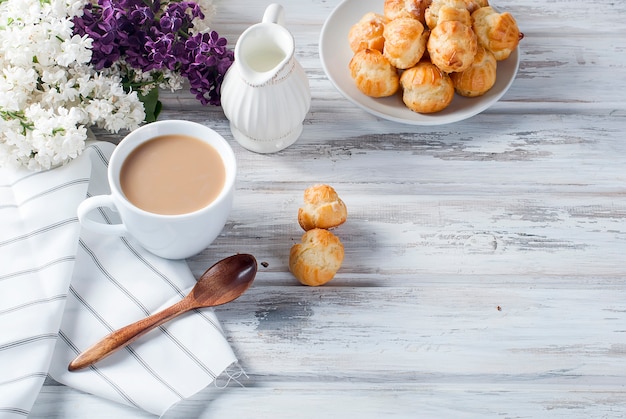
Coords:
484,273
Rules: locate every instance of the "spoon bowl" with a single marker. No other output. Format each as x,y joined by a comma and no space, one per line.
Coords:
221,283
224,281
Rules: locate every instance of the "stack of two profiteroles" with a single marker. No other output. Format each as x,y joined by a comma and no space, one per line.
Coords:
319,255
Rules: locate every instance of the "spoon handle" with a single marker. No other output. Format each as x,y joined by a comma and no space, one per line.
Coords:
127,334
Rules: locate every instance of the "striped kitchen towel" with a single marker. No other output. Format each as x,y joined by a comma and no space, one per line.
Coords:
63,288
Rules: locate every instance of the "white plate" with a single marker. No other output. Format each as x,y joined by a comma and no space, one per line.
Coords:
336,54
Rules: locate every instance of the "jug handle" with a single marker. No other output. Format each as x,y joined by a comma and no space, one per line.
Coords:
275,13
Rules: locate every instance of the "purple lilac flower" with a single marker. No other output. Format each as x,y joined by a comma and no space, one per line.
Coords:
208,59
155,35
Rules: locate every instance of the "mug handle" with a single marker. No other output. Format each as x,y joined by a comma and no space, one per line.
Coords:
93,203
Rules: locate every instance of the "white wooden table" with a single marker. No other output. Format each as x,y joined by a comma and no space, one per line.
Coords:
485,271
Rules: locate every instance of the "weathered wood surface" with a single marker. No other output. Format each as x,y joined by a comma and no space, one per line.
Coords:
485,272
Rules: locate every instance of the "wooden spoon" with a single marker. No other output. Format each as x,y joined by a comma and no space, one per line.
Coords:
220,284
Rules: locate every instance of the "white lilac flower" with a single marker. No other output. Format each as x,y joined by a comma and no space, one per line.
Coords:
76,49
16,87
49,94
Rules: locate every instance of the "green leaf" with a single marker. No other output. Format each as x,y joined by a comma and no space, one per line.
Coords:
151,104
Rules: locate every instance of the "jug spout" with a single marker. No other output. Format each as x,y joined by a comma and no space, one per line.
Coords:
265,48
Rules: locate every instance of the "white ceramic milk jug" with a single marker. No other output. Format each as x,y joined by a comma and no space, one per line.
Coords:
265,93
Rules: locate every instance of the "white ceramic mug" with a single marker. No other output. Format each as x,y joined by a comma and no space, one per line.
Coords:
168,236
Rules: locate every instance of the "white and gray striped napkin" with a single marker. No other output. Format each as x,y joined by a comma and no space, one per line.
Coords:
63,288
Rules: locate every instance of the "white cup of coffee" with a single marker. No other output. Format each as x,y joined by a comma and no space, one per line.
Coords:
172,183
